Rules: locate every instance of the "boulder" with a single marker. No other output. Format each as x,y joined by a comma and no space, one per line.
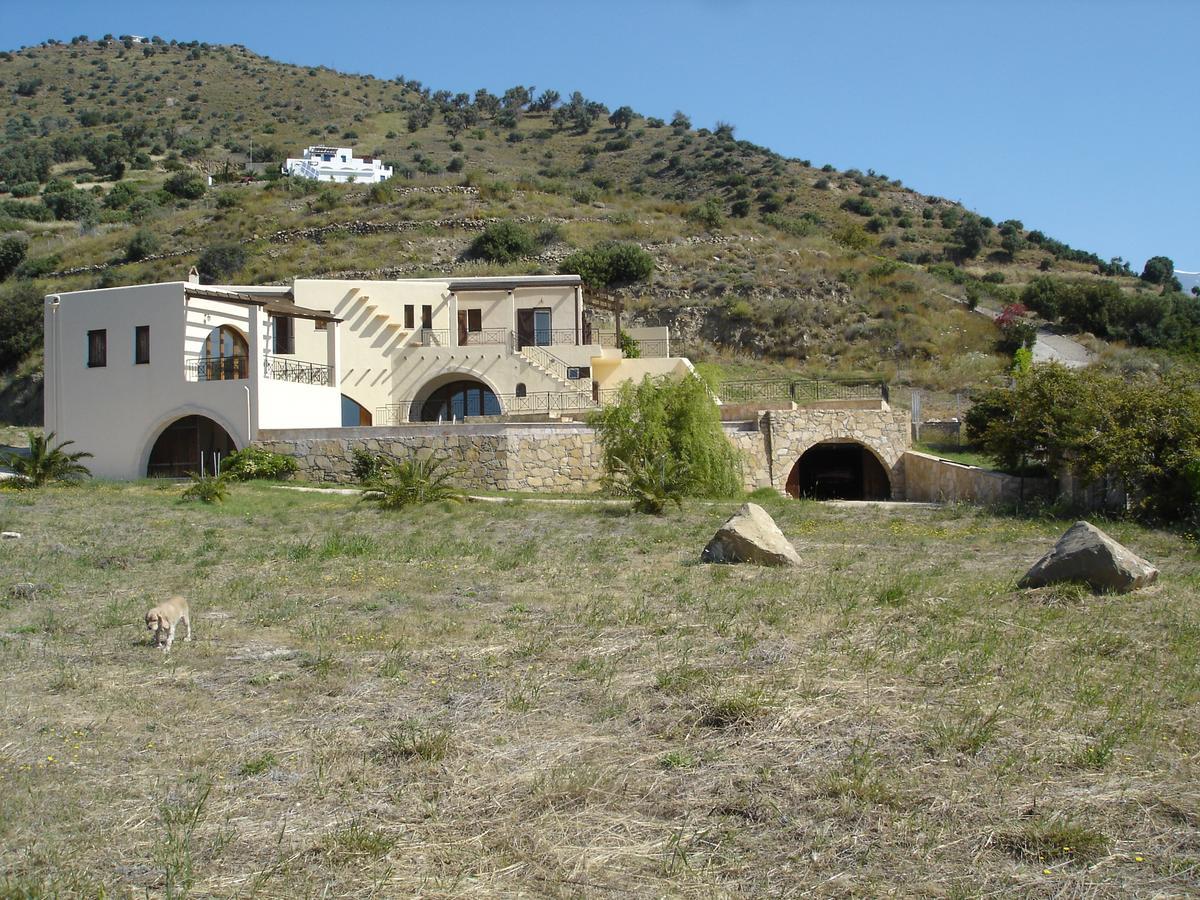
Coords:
750,535
1087,554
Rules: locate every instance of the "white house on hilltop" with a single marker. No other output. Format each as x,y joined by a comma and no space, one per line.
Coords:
337,164
159,379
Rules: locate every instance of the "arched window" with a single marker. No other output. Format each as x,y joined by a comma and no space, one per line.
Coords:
521,391
459,399
226,355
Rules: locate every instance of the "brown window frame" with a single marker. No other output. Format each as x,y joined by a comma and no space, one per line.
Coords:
410,316
474,320
97,348
285,336
427,316
141,345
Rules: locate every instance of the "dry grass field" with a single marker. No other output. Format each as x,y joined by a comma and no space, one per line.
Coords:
526,700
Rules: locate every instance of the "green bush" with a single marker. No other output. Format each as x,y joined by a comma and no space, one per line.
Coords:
25,189
186,185
367,467
12,254
503,242
416,481
254,462
858,205
667,433
21,311
220,262
47,462
71,204
143,243
709,214
207,488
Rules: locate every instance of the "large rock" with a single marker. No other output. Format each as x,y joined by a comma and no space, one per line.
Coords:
1087,554
751,535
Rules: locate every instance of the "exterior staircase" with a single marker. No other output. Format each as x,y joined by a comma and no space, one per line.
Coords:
575,394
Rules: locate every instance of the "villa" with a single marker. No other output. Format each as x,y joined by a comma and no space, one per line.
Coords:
337,164
164,379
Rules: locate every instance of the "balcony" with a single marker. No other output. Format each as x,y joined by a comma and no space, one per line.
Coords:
276,368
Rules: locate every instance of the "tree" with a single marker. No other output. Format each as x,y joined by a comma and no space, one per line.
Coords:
12,254
622,117
1159,270
970,234
681,121
21,311
220,262
70,204
517,97
609,265
47,462
546,101
664,437
487,104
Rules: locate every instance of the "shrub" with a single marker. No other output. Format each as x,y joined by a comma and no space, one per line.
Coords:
650,483
220,262
22,313
47,462
254,462
858,205
70,204
666,433
709,214
207,488
12,254
143,243
185,185
416,481
367,467
25,189
503,242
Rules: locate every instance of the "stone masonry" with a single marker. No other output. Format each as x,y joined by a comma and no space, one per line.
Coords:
561,457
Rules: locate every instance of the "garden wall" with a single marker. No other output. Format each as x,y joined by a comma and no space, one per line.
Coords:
934,480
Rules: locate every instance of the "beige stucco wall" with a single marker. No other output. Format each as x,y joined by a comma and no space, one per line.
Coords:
384,363
934,480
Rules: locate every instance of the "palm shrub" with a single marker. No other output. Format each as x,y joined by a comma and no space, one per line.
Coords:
650,483
207,488
667,432
47,462
255,462
415,481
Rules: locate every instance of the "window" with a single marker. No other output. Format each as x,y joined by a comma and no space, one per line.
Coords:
408,316
426,316
141,345
285,334
97,349
474,320
576,372
522,391
321,325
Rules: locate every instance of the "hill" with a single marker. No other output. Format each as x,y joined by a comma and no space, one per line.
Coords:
761,262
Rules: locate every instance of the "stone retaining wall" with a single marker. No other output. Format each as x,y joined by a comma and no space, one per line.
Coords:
550,457
934,480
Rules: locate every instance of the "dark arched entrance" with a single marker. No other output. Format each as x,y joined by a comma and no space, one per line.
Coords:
839,471
457,400
184,443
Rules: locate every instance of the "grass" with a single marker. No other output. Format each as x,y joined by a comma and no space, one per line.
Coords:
956,453
556,700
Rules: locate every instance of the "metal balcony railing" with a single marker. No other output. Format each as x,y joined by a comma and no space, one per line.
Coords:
217,368
493,336
433,337
297,371
801,390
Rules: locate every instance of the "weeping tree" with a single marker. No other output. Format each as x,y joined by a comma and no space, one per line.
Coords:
662,440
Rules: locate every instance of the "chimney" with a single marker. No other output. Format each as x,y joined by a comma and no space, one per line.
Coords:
193,275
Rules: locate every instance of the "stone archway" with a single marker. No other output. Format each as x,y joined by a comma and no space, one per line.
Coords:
455,401
839,470
189,444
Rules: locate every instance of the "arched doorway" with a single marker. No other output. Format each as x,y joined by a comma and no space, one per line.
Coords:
354,413
456,400
226,355
184,443
839,470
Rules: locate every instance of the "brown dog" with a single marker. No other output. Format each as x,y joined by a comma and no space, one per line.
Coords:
163,619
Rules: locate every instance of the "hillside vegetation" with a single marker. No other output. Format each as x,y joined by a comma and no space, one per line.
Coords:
760,262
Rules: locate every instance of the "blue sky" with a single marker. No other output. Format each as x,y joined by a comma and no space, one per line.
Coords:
1079,118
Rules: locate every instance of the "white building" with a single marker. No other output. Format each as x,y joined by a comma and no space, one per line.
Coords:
154,379
337,164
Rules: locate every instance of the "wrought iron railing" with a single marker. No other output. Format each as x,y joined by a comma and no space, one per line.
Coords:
486,336
217,368
801,390
656,348
433,337
283,368
548,337
550,402
542,357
